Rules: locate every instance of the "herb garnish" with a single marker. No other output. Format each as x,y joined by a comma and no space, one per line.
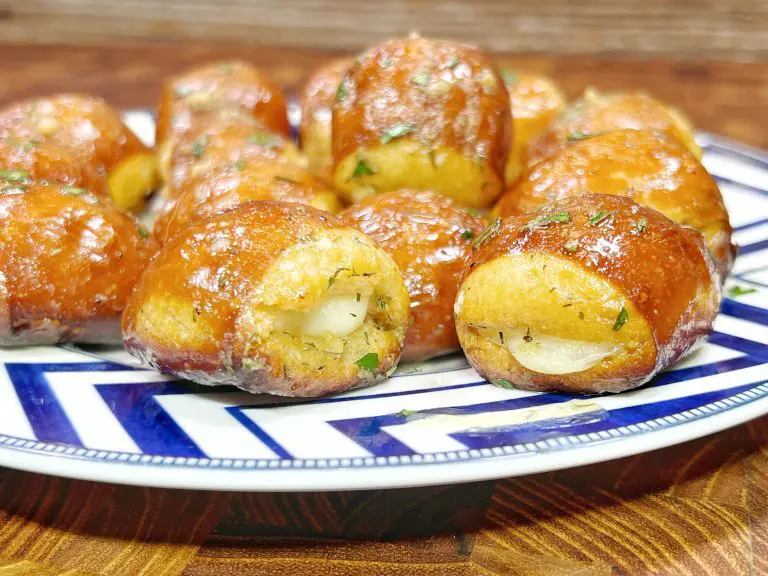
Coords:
641,225
501,383
492,229
571,245
598,217
420,78
396,131
508,76
369,362
198,146
621,319
286,179
547,219
453,62
362,168
341,92
264,140
332,278
467,235
142,230
14,175
735,291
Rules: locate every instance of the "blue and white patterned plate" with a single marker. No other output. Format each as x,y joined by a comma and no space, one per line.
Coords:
97,415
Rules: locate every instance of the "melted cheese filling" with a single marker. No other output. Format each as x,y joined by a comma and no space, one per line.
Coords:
337,314
553,355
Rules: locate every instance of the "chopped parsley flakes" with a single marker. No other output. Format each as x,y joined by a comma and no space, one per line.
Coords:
369,362
735,291
362,168
14,175
396,131
621,319
547,219
501,383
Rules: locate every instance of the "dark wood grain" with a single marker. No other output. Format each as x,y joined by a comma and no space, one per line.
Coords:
698,508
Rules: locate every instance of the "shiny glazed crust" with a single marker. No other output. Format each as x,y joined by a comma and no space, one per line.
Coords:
230,185
428,236
232,85
567,272
423,114
651,168
317,98
598,113
68,263
211,307
223,141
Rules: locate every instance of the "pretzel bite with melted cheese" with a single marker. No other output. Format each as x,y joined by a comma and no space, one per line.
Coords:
651,168
68,263
78,140
271,297
597,113
317,97
591,294
429,236
230,185
223,141
536,101
234,87
421,114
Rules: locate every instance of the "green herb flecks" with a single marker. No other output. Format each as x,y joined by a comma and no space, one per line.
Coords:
287,179
492,229
601,216
14,175
405,413
508,76
396,131
199,145
453,62
420,78
239,165
621,319
143,231
73,190
264,140
735,291
467,235
571,245
578,135
546,219
641,225
362,168
341,92
501,383
369,362
332,278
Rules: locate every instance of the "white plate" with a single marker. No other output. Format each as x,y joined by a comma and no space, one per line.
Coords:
101,417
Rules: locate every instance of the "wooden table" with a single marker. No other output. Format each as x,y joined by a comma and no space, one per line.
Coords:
698,508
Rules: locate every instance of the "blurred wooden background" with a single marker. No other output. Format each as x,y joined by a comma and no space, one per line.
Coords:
684,29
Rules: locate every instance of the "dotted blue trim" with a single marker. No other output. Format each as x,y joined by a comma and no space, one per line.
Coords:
527,449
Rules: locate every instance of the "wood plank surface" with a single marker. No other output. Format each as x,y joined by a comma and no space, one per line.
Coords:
692,29
696,509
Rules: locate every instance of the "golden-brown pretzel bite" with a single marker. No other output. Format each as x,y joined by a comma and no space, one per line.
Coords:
536,101
597,113
220,86
232,184
590,294
649,167
422,114
429,236
68,262
223,141
271,297
317,97
56,136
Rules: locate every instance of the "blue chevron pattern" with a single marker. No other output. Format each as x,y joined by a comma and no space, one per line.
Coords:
68,403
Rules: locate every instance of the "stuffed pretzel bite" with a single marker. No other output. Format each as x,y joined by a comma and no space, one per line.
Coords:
429,236
597,113
223,141
68,263
588,295
235,87
421,114
271,297
230,185
536,101
317,97
56,136
651,168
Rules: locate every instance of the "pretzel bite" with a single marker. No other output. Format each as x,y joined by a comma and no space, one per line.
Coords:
591,294
649,167
229,185
317,99
536,101
68,262
78,139
421,114
428,236
219,87
271,297
223,141
597,113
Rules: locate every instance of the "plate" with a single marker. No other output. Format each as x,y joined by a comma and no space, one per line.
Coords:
94,414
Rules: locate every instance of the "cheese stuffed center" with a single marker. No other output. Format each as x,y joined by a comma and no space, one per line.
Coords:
337,314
